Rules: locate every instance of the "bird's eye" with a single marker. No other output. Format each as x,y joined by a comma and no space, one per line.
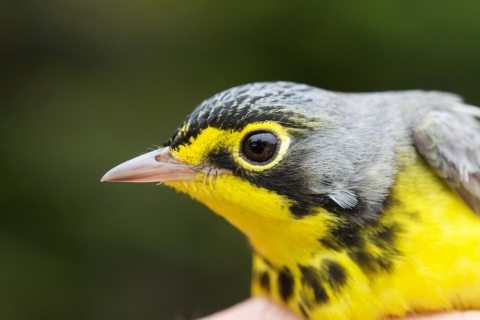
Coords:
259,147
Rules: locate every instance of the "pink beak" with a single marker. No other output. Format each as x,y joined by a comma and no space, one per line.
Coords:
154,166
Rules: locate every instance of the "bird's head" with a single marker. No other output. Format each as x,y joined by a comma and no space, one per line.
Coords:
271,158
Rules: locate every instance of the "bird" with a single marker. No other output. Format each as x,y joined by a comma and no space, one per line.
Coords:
355,205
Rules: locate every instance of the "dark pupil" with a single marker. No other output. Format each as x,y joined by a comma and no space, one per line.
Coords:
260,147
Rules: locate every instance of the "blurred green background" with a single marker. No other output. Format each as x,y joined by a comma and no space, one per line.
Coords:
85,85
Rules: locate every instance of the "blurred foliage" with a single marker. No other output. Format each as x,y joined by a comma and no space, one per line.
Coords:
85,85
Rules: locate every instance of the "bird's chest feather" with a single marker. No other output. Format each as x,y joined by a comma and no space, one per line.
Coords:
422,254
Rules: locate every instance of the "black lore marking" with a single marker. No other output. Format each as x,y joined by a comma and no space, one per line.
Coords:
337,275
311,277
222,158
285,284
265,281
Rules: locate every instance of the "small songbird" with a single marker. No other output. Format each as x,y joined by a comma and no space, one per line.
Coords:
356,205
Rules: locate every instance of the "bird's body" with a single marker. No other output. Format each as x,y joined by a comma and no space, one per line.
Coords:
357,206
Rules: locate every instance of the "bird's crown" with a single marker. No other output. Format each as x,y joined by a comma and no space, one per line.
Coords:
233,109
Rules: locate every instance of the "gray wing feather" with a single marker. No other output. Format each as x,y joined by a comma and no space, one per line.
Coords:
449,140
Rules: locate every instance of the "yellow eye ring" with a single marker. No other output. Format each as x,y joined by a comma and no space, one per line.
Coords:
270,147
259,147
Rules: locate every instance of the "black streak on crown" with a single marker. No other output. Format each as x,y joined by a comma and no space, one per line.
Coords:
230,116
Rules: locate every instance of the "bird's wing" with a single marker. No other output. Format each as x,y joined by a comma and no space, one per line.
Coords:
449,140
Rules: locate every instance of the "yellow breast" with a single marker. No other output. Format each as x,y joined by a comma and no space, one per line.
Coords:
421,254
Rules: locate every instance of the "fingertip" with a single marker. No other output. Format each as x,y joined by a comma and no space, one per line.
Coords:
264,309
254,309
455,315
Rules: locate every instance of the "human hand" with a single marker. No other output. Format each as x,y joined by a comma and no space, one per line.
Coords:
264,309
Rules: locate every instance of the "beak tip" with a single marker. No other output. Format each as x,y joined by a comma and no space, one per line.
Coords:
105,178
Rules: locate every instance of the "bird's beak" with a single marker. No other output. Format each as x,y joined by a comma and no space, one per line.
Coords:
155,166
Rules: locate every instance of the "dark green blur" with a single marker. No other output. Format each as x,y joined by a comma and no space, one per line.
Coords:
86,85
